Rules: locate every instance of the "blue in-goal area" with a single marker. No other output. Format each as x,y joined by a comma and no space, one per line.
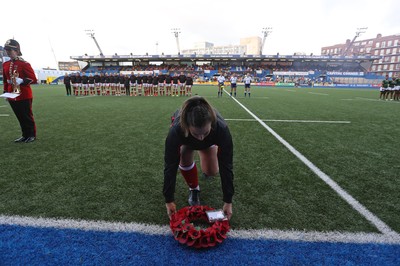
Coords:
21,245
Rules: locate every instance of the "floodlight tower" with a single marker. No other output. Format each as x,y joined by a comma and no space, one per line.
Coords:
90,33
358,33
176,32
266,31
156,47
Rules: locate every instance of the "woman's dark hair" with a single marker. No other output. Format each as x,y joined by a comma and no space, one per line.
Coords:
196,112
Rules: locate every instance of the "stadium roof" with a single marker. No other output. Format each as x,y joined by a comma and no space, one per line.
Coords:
222,58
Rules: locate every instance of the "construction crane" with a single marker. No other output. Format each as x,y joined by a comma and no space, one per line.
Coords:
265,31
358,33
91,34
176,32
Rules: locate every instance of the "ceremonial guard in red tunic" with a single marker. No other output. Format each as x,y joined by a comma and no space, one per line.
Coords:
17,76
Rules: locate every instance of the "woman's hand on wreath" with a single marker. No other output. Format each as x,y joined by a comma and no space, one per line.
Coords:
171,208
227,208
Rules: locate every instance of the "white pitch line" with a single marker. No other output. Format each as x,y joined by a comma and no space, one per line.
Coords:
290,121
291,235
378,223
317,93
4,115
291,90
1,106
369,99
82,97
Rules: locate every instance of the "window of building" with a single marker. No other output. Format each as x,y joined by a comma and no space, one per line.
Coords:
389,43
377,45
383,44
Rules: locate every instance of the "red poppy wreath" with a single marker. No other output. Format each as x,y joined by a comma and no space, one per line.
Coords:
185,232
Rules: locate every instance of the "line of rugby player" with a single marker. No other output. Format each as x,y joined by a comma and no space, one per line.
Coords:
131,85
390,89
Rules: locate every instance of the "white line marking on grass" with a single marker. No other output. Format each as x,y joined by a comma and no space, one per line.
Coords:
4,115
3,106
317,93
290,121
347,99
82,97
291,90
313,236
378,223
369,99
103,226
84,225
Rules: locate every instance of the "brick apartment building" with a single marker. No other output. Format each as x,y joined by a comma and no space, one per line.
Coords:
388,47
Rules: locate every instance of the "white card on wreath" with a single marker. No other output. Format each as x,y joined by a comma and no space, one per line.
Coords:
216,215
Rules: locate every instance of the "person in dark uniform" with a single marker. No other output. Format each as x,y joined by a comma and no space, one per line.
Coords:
139,81
78,83
97,83
189,85
85,85
182,80
67,82
121,85
91,84
197,126
73,82
145,88
132,83
154,86
168,80
175,81
17,77
127,85
161,84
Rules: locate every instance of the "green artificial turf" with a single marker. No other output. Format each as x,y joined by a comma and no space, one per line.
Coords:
101,158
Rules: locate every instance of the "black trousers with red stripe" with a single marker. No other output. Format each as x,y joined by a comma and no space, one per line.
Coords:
23,111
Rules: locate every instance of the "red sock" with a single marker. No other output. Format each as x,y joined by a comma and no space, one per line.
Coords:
190,175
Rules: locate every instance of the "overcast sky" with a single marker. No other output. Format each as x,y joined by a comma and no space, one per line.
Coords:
50,31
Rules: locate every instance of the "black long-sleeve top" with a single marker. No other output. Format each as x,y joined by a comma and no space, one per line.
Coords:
219,135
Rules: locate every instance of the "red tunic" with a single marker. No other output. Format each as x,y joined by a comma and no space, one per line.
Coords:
25,72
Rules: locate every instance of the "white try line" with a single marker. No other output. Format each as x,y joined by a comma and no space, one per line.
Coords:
378,223
1,106
317,93
82,97
292,235
4,115
290,121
